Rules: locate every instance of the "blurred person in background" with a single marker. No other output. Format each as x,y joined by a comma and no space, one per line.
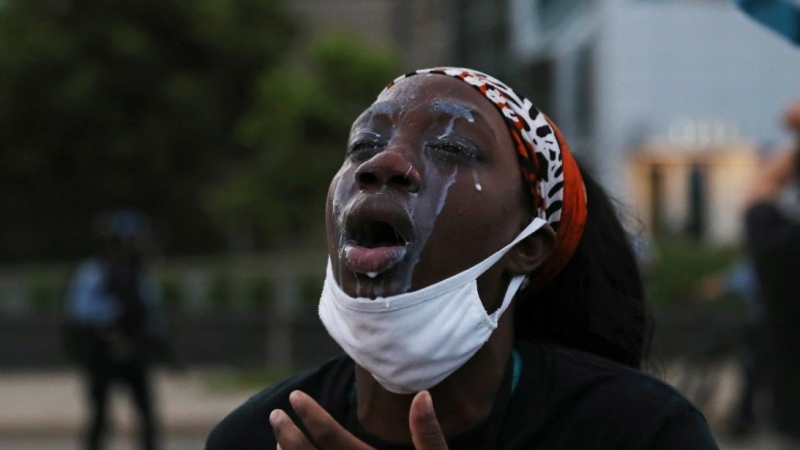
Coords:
772,221
114,326
741,282
457,197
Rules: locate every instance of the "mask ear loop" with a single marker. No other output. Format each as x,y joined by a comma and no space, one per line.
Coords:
525,282
483,266
511,291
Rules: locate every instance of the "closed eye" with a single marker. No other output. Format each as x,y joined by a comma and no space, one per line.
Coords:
454,149
363,146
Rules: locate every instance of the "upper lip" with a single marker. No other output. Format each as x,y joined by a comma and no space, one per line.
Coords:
370,211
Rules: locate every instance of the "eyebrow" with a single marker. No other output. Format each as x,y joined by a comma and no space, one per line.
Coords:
450,108
383,108
461,111
454,109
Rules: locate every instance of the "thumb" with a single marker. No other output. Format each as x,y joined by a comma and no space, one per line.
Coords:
425,430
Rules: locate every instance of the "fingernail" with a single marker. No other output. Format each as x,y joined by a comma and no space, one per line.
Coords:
273,417
295,396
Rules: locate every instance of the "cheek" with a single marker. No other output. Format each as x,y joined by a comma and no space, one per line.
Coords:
474,223
486,200
438,196
341,186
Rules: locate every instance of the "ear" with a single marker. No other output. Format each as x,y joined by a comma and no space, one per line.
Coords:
532,251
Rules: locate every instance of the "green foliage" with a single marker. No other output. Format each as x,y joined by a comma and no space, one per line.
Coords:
681,268
309,289
296,134
246,380
220,291
186,110
132,104
258,292
173,293
43,294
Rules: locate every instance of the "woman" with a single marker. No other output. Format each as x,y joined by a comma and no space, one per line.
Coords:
432,233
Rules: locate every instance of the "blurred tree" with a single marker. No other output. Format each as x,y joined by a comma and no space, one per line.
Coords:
296,136
130,104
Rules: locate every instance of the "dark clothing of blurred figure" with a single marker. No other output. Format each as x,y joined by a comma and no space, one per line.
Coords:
772,230
102,372
741,282
114,328
773,238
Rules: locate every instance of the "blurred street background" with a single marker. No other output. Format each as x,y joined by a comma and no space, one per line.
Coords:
223,121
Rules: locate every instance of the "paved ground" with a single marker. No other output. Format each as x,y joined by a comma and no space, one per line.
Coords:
50,406
66,444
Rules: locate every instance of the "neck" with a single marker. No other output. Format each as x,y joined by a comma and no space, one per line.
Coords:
461,401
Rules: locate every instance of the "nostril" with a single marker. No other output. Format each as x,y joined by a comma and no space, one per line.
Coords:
367,179
387,169
402,181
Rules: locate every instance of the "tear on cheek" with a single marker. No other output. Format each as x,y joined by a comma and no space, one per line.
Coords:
477,182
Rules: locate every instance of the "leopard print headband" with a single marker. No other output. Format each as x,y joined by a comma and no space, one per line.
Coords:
545,160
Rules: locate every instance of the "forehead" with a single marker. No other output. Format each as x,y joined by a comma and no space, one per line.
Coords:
439,94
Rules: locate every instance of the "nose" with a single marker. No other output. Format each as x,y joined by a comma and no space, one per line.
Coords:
389,168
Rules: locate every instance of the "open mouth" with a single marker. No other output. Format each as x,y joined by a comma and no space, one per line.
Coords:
374,234
377,238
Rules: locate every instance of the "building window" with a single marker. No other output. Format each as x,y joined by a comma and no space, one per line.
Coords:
553,13
584,91
483,36
538,86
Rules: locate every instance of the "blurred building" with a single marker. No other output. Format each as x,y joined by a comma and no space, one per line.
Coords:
626,77
472,33
685,190
421,32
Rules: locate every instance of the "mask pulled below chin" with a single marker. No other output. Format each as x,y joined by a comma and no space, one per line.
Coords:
411,342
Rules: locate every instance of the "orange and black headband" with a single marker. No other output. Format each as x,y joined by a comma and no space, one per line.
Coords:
545,160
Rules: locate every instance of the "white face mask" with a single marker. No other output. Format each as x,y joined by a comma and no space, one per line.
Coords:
413,341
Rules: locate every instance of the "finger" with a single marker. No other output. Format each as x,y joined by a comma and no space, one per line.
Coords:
287,434
425,430
326,432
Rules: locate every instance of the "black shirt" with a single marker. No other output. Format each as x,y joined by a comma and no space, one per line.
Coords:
773,242
561,399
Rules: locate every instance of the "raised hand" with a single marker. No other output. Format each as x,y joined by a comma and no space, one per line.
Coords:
329,435
425,430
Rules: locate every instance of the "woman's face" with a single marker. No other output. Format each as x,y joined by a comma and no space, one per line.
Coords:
430,186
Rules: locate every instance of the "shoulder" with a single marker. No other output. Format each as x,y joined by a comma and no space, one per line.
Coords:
768,227
247,427
762,213
628,386
628,408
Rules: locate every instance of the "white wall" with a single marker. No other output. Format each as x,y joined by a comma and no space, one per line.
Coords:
657,62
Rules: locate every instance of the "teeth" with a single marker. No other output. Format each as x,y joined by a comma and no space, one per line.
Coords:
372,274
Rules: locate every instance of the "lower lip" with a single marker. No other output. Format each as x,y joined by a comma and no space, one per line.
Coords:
372,261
